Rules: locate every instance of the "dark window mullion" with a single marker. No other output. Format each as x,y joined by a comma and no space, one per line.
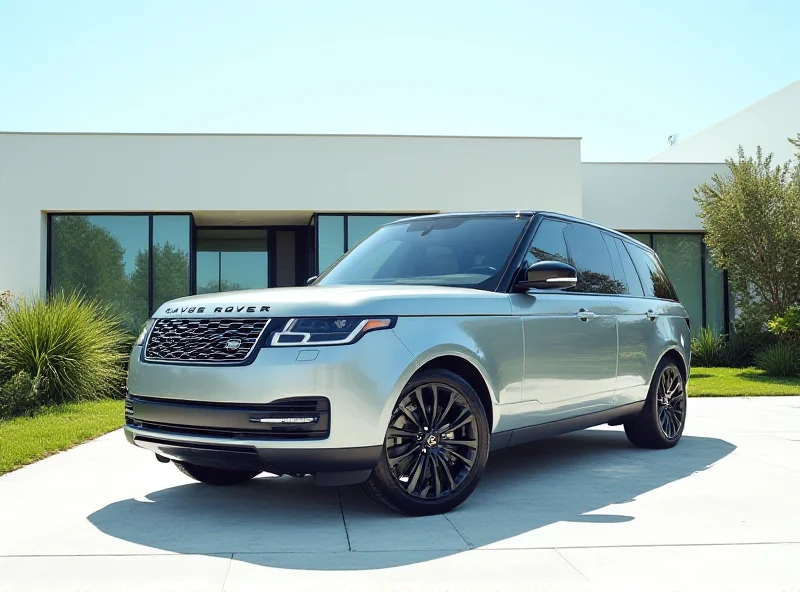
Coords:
150,264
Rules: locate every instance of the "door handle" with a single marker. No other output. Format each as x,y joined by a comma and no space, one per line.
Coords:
585,315
651,315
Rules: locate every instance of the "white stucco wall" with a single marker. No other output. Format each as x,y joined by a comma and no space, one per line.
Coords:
42,173
644,196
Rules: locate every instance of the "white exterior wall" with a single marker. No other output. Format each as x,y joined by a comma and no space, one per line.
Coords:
645,196
41,173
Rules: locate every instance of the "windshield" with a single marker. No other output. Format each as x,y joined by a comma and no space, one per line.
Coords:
468,252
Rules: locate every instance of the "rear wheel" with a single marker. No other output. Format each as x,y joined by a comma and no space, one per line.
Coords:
435,448
660,423
215,476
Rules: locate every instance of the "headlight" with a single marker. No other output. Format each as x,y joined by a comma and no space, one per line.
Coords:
327,331
143,335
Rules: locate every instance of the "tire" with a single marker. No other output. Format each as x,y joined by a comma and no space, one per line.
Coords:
431,469
660,423
215,476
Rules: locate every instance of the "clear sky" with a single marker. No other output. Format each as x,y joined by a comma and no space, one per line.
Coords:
623,75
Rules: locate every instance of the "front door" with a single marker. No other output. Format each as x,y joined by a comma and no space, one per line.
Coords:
570,336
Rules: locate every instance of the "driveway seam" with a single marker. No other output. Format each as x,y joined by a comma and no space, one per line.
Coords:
583,575
227,571
344,520
466,542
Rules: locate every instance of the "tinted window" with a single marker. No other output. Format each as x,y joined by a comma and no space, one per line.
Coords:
548,243
616,262
628,270
469,252
654,281
591,259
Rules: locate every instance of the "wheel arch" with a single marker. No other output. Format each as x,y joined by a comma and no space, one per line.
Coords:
470,372
674,355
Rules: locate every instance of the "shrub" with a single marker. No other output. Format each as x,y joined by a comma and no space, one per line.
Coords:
710,348
19,395
707,348
70,344
787,325
781,359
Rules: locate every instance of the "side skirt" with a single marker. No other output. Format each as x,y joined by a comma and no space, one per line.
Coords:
613,416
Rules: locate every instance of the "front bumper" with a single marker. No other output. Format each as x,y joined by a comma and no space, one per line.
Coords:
205,414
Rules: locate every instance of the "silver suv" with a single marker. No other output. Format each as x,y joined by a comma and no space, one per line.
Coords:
432,342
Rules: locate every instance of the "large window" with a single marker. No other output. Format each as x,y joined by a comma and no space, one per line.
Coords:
338,233
132,263
682,258
699,283
231,259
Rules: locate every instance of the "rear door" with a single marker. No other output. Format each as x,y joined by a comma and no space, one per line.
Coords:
643,320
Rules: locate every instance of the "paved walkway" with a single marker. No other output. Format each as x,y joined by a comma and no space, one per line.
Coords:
581,512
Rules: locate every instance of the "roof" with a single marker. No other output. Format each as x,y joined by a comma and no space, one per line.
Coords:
767,123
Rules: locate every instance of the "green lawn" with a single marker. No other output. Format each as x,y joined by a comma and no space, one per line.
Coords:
739,382
24,440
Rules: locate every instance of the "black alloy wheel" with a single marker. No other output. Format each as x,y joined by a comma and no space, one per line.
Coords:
435,447
671,397
661,422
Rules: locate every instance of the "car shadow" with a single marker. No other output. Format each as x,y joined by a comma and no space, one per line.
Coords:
290,523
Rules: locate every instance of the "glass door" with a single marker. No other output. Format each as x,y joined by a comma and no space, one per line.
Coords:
232,259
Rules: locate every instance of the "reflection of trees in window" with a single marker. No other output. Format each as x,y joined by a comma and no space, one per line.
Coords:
542,255
89,259
598,283
215,286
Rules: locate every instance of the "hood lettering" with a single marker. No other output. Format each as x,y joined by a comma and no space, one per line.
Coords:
201,309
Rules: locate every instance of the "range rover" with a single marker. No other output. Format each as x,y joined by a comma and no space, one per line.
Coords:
435,340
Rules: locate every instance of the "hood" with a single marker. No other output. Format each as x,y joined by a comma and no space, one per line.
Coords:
340,301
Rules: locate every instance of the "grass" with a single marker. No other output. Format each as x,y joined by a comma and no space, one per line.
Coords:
24,440
739,382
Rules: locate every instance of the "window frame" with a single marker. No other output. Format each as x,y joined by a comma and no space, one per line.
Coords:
150,260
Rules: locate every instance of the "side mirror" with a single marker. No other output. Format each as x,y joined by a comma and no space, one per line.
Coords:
548,275
311,280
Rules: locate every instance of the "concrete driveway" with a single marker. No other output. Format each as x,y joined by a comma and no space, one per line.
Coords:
579,512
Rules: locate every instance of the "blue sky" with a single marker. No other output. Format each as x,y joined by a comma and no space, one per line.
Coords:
623,75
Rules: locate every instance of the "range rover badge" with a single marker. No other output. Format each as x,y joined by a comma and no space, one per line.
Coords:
233,344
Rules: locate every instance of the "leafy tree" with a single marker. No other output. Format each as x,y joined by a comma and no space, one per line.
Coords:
88,259
170,274
752,223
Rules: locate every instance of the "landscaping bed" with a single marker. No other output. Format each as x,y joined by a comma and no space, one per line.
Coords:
739,382
24,440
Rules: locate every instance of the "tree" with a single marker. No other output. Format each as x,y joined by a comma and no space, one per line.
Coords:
752,223
87,258
170,273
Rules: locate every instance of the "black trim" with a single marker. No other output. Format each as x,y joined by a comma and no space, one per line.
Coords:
514,264
272,257
232,421
346,233
726,301
150,266
48,280
353,464
556,428
703,277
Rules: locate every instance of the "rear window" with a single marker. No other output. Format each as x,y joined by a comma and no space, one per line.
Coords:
654,279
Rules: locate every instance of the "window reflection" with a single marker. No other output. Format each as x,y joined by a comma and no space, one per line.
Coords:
105,258
170,258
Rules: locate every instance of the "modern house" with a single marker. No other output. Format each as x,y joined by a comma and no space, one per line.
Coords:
137,219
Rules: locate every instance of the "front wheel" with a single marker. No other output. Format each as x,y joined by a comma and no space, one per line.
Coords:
436,446
660,423
215,476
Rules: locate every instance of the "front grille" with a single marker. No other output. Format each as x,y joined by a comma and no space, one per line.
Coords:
203,340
